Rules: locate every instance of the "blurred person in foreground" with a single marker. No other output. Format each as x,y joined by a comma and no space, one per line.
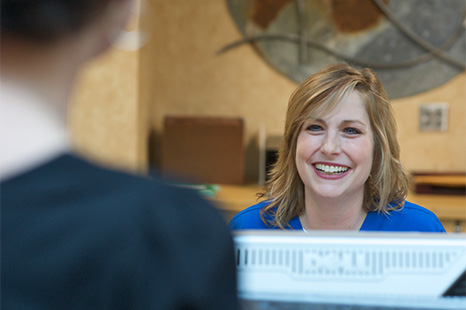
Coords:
74,235
338,165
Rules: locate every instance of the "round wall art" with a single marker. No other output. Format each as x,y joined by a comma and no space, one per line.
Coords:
412,45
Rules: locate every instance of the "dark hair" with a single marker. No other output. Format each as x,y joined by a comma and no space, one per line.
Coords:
47,20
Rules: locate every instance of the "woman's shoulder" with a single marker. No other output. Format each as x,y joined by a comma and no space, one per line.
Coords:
411,217
249,218
416,212
412,209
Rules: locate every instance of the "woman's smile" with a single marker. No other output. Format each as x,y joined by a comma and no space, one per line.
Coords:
330,169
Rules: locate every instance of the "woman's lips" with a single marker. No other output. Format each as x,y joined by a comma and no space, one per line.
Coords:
330,171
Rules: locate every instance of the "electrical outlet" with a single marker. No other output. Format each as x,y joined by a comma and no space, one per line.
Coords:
433,117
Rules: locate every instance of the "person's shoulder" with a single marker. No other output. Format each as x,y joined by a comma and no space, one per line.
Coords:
417,218
250,212
162,208
412,209
128,223
148,196
123,182
249,218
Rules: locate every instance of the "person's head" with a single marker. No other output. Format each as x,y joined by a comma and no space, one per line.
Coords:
46,22
45,43
318,96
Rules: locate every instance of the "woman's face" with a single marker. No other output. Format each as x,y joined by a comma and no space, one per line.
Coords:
334,153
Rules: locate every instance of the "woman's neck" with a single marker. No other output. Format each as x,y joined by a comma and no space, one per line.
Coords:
342,213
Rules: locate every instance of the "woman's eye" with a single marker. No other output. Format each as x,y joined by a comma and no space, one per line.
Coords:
352,131
314,128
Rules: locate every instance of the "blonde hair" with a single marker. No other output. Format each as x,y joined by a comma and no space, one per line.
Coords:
387,186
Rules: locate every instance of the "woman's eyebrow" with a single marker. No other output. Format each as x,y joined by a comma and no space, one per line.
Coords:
312,119
352,121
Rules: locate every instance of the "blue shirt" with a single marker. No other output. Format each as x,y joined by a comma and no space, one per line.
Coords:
410,218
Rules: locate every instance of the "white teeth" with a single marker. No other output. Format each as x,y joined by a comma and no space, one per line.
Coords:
331,169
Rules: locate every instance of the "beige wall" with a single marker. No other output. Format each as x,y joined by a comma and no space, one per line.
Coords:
434,151
104,116
107,119
180,73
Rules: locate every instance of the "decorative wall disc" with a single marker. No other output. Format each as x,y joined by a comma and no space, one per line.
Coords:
412,45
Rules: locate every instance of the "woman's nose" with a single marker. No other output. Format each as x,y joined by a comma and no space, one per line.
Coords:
330,145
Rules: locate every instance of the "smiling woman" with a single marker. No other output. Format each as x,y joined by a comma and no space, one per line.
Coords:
339,162
334,160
